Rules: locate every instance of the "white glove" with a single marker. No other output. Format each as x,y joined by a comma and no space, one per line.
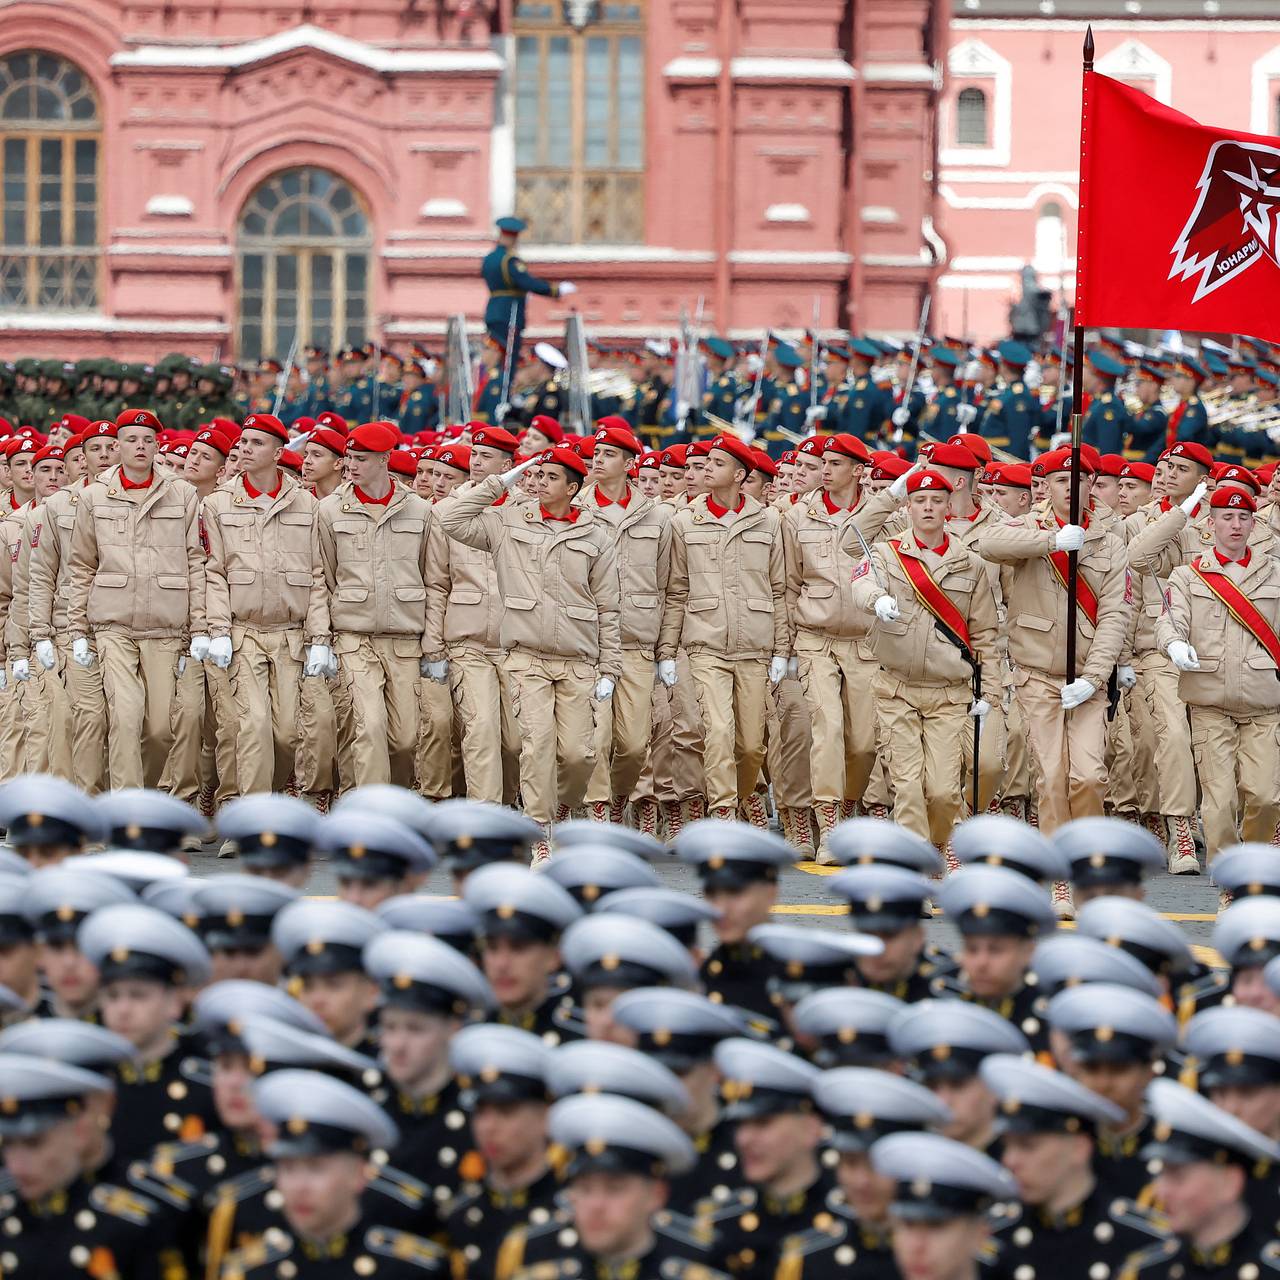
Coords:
793,668
1069,538
965,414
1188,505
1182,655
500,413
81,654
566,288
1076,693
200,647
318,656
814,413
331,666
667,673
45,654
512,478
777,669
887,610
4,680
980,708
21,669
604,689
220,652
1126,677
898,489
182,663
437,671
900,416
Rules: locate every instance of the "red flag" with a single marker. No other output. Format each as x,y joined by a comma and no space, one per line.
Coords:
1178,220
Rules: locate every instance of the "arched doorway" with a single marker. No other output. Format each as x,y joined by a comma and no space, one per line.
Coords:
303,265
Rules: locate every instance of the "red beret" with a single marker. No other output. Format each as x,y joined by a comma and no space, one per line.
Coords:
101,430
1233,499
675,455
849,446
815,446
1143,471
291,460
373,437
1190,450
73,442
565,458
457,456
214,439
1240,475
1265,472
737,449
926,450
787,458
890,467
972,441
764,463
267,422
334,421
616,432
958,456
930,480
6,427
19,444
328,438
74,422
303,424
139,418
493,437
1110,464
650,461
548,426
54,452
1048,464
228,427
698,449
403,463
1090,456
1013,475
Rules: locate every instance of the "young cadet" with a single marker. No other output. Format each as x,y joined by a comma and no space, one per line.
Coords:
725,605
1220,633
932,648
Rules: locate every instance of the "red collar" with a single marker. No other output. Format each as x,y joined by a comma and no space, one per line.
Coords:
571,518
497,502
603,501
126,483
15,504
1166,504
831,507
368,501
939,550
1243,562
275,493
720,512
1084,522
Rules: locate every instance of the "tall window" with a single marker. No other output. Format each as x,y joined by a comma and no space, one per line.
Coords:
971,118
304,252
49,131
580,120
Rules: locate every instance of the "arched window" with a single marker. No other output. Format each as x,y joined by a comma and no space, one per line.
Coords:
971,118
304,251
1050,251
579,120
49,132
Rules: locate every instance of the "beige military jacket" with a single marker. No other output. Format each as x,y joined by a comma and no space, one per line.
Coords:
32,519
137,564
264,569
821,555
912,648
1158,541
558,579
378,571
11,537
1237,675
727,589
1036,603
48,578
643,532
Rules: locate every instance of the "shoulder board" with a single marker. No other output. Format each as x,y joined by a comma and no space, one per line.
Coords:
197,1070
246,1184
544,1271
270,1247
743,1199
169,1154
1155,1255
1270,1256
401,1186
106,1197
406,1248
812,1239
1129,1213
559,1219
685,1230
683,1269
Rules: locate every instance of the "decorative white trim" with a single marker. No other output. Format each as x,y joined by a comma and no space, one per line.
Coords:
170,207
1028,200
611,253
690,68
974,60
921,259
790,69
787,213
1262,91
790,257
435,251
168,251
995,283
96,322
995,23
915,73
879,213
1132,60
443,207
994,262
307,36
1011,176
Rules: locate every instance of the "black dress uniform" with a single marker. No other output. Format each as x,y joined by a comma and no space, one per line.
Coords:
367,1249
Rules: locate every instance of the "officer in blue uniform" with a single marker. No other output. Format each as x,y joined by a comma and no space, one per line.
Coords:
388,389
867,409
789,406
939,418
1013,412
1107,423
421,407
1149,427
353,398
318,391
723,385
1189,419
510,282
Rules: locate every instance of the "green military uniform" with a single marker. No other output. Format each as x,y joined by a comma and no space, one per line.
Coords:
215,403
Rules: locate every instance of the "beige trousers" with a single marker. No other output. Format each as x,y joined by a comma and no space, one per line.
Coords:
789,745
677,738
1238,759
317,735
1174,768
46,710
731,699
837,687
88,721
266,670
486,723
140,683
622,730
380,675
433,755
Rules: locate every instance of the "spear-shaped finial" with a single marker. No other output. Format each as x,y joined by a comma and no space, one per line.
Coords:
1088,48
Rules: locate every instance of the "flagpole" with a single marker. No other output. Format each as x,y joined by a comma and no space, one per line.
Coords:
1077,397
